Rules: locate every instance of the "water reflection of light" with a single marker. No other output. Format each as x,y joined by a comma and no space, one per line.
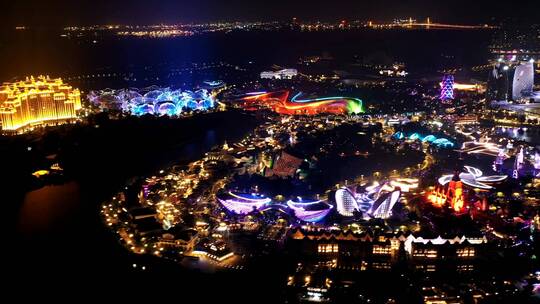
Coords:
48,208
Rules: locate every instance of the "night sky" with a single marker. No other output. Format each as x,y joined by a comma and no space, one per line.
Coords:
72,12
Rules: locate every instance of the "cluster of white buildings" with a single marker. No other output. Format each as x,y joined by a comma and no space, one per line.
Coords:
281,74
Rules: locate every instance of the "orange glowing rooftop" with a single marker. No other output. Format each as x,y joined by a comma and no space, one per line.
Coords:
37,102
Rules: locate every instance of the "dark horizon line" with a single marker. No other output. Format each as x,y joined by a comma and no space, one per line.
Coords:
337,20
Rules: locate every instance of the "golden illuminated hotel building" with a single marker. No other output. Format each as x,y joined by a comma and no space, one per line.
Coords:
37,101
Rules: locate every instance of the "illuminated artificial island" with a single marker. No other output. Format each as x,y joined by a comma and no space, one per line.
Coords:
39,101
336,174
336,187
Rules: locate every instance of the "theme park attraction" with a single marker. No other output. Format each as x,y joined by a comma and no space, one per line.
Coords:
243,203
287,178
430,139
451,190
153,100
280,103
376,202
309,211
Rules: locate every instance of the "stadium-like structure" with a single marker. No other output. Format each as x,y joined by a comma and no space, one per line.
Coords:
153,100
279,101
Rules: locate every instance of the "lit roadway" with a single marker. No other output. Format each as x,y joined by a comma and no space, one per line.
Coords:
449,26
429,25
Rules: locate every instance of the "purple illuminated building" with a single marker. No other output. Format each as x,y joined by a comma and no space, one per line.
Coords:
146,190
447,88
536,164
499,160
501,156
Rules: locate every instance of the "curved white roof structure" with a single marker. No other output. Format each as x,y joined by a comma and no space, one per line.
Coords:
474,178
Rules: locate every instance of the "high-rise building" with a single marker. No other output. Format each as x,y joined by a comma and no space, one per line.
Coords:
447,87
37,101
498,88
523,83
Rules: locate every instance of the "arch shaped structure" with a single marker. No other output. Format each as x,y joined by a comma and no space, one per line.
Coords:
154,100
431,139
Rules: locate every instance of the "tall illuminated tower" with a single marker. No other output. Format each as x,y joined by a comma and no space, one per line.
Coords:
447,88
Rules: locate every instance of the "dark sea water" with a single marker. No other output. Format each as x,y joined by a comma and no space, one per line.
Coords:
57,228
45,52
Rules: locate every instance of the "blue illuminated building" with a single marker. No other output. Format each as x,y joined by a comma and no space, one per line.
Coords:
154,100
431,139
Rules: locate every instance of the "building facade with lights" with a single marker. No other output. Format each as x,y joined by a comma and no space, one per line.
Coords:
37,102
381,252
